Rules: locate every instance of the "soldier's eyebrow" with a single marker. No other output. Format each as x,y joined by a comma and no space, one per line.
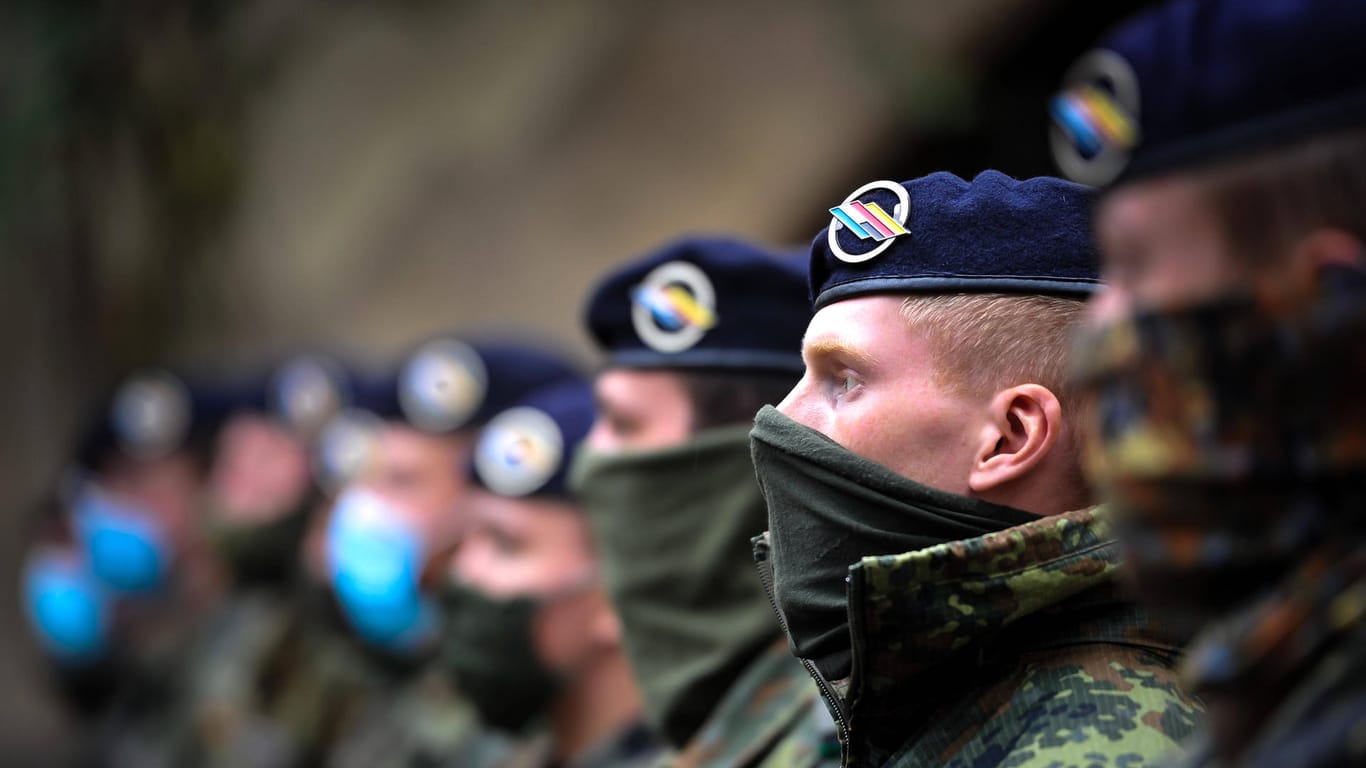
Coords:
834,349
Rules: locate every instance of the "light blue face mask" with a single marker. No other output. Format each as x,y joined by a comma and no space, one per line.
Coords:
375,563
67,606
126,548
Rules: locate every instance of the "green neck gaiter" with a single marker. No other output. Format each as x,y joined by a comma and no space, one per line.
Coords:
674,526
258,553
489,649
830,508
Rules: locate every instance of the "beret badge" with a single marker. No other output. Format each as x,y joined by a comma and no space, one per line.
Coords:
673,307
1094,126
519,451
869,220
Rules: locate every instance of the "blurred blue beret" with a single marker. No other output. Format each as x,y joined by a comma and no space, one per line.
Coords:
446,385
703,303
153,413
526,450
1195,81
449,383
941,234
304,392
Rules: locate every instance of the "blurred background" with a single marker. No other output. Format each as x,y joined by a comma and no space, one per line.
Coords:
216,183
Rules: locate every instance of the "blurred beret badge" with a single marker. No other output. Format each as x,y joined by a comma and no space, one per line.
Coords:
443,385
673,307
519,451
1094,125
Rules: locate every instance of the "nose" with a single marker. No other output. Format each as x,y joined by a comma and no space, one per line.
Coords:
797,404
1109,305
600,436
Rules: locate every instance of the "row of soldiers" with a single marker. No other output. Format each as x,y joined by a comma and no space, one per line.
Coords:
997,473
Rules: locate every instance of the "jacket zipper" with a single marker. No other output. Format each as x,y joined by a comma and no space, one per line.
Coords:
761,563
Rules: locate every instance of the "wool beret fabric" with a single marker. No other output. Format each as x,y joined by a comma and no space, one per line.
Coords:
993,234
704,303
1203,80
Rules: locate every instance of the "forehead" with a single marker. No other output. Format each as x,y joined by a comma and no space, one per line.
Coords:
622,386
1151,205
869,326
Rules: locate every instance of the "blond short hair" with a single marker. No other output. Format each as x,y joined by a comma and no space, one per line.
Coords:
987,342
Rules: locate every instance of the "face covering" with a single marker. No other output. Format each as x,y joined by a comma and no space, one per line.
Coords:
67,606
263,551
124,545
828,509
1230,437
489,649
673,529
375,563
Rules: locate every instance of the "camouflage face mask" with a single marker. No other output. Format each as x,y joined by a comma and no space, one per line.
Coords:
828,508
1230,437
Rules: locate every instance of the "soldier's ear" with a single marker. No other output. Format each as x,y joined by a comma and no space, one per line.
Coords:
1023,424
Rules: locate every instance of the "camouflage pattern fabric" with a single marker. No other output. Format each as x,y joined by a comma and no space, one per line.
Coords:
634,746
1286,676
283,683
772,717
280,682
1231,437
422,721
1011,649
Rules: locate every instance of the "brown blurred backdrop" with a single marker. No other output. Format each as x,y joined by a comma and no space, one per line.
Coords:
215,183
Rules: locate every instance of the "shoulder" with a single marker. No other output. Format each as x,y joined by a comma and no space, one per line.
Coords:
1093,704
1321,721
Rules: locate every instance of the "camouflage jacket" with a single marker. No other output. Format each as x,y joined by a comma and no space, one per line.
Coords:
771,717
634,746
1011,649
1285,676
284,683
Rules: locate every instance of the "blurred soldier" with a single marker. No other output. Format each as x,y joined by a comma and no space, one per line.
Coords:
930,548
388,539
698,335
531,635
396,522
1226,366
255,507
120,599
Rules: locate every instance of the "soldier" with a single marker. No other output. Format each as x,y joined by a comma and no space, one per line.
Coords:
138,566
931,550
256,507
698,335
430,414
1226,361
388,539
531,636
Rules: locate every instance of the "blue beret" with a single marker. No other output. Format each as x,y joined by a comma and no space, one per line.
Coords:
306,391
941,234
713,303
449,383
1198,80
153,413
526,450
